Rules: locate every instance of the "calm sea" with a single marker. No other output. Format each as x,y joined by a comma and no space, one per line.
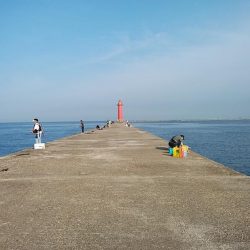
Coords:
18,136
227,142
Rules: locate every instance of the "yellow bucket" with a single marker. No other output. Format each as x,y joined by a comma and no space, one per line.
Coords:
176,152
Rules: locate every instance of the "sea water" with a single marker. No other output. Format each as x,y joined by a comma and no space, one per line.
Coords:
18,136
227,142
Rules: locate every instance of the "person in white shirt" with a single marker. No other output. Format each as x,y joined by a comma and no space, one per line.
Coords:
37,130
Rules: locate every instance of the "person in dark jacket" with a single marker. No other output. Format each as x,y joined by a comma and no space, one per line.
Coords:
37,130
176,141
82,126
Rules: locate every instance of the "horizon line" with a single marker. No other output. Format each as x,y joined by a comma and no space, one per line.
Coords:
141,120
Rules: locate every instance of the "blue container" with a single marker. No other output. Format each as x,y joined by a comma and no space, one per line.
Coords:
170,151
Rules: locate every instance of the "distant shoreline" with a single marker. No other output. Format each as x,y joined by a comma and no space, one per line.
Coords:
144,121
195,120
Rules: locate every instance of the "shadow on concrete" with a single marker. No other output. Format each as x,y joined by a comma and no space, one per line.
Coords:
162,148
4,169
89,132
22,154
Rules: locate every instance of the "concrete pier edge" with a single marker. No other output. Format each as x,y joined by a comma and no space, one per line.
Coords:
117,188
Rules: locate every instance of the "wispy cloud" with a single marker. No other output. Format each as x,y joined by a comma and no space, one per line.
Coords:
210,79
127,45
162,44
158,77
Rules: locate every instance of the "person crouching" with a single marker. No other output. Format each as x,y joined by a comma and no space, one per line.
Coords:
176,141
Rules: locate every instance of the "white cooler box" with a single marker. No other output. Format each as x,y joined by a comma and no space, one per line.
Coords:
39,146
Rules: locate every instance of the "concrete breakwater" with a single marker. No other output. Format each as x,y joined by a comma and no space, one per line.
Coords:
118,189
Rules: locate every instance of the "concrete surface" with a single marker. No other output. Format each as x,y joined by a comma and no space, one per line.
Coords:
118,189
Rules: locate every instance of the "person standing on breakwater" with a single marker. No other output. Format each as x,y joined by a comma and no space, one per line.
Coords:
37,130
82,126
176,141
108,123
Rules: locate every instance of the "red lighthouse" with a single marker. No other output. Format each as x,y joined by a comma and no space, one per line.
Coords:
120,112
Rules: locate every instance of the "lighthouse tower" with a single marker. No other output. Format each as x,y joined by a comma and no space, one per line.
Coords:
120,111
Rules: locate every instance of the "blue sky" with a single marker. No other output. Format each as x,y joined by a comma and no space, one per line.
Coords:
71,60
